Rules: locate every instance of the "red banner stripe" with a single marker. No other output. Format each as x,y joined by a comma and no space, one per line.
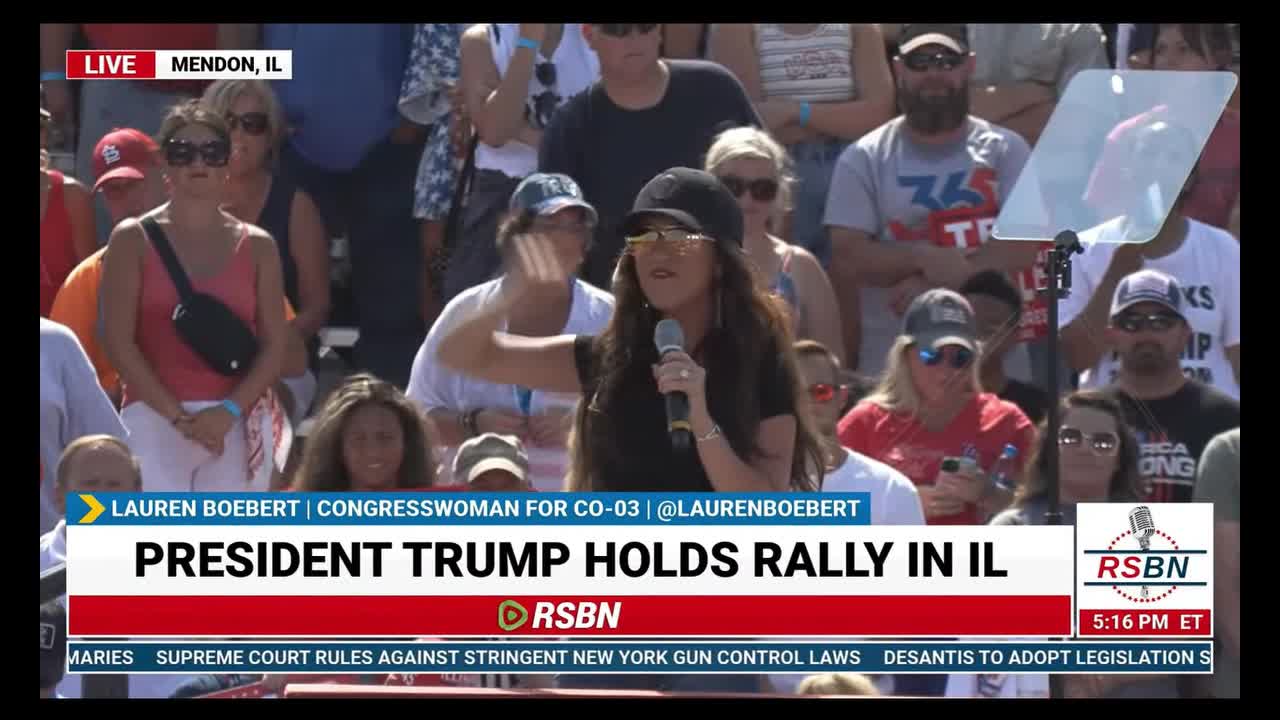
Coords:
111,64
667,615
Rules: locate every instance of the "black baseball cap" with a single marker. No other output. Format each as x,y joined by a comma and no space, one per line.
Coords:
954,37
695,199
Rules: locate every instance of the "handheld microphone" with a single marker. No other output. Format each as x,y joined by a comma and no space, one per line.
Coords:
669,337
1143,528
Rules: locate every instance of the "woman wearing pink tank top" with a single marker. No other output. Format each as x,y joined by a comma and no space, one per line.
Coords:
191,427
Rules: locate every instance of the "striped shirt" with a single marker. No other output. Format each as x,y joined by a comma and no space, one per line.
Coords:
815,67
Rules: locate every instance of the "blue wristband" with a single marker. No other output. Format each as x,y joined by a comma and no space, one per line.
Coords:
230,406
805,111
52,75
525,42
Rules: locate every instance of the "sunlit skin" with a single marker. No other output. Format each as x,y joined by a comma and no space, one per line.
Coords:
197,179
101,467
373,447
497,481
1085,472
674,274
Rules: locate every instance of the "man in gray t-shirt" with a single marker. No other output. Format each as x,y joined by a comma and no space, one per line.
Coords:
912,203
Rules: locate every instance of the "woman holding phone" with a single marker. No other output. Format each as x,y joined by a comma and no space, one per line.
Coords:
930,419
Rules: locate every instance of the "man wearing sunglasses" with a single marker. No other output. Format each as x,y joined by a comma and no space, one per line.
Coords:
1204,260
1173,416
912,203
644,115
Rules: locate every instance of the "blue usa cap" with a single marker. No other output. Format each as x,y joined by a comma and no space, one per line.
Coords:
549,193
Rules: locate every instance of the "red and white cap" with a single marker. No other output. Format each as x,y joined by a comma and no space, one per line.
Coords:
122,153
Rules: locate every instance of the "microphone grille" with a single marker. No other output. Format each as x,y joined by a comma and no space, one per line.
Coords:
668,335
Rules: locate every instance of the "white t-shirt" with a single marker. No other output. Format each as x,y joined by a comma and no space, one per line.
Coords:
433,385
72,405
894,499
576,67
1206,265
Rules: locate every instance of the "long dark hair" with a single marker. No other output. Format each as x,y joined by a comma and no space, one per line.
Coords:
751,324
323,468
1125,481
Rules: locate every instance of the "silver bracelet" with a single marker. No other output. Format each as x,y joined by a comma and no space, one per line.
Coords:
712,433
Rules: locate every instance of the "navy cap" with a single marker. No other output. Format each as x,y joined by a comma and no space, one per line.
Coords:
695,199
1147,286
549,193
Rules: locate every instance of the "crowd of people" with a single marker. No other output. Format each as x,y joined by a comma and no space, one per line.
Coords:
506,212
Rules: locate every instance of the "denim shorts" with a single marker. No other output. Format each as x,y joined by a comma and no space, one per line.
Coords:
815,161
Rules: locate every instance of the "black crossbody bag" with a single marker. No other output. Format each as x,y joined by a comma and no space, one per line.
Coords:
204,323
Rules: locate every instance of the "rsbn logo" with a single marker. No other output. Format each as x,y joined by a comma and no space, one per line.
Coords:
1143,564
559,616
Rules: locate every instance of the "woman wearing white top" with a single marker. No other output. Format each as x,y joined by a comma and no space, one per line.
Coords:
514,76
463,407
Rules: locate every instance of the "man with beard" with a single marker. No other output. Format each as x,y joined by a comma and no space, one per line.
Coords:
1204,259
912,203
1173,416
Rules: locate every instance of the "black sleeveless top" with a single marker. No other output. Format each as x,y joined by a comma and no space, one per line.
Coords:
275,220
640,457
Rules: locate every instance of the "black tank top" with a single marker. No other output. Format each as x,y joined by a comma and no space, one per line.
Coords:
275,220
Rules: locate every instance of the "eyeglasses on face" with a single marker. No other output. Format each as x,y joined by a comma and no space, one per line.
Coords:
955,356
180,153
762,189
621,30
253,123
922,61
1102,443
1132,322
823,393
678,241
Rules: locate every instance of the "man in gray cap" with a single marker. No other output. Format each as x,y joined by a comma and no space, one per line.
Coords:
492,463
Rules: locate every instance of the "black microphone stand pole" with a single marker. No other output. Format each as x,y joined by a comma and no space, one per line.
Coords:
1058,269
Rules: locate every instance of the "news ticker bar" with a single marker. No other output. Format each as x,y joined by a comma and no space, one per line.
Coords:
179,64
468,508
641,657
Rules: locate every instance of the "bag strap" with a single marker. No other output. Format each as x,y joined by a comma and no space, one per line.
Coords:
160,242
461,190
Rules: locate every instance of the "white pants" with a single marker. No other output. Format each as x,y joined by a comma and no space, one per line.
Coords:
172,463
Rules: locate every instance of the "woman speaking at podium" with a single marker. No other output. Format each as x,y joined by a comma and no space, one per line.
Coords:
683,261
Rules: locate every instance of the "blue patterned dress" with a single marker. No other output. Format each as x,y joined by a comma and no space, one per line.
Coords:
433,68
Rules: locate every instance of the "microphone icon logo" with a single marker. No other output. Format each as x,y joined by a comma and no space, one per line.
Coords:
1143,528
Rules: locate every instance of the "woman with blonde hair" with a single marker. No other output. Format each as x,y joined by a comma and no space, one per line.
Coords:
837,684
930,407
758,171
256,194
368,437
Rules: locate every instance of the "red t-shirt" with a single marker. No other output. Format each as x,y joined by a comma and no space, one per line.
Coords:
980,431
